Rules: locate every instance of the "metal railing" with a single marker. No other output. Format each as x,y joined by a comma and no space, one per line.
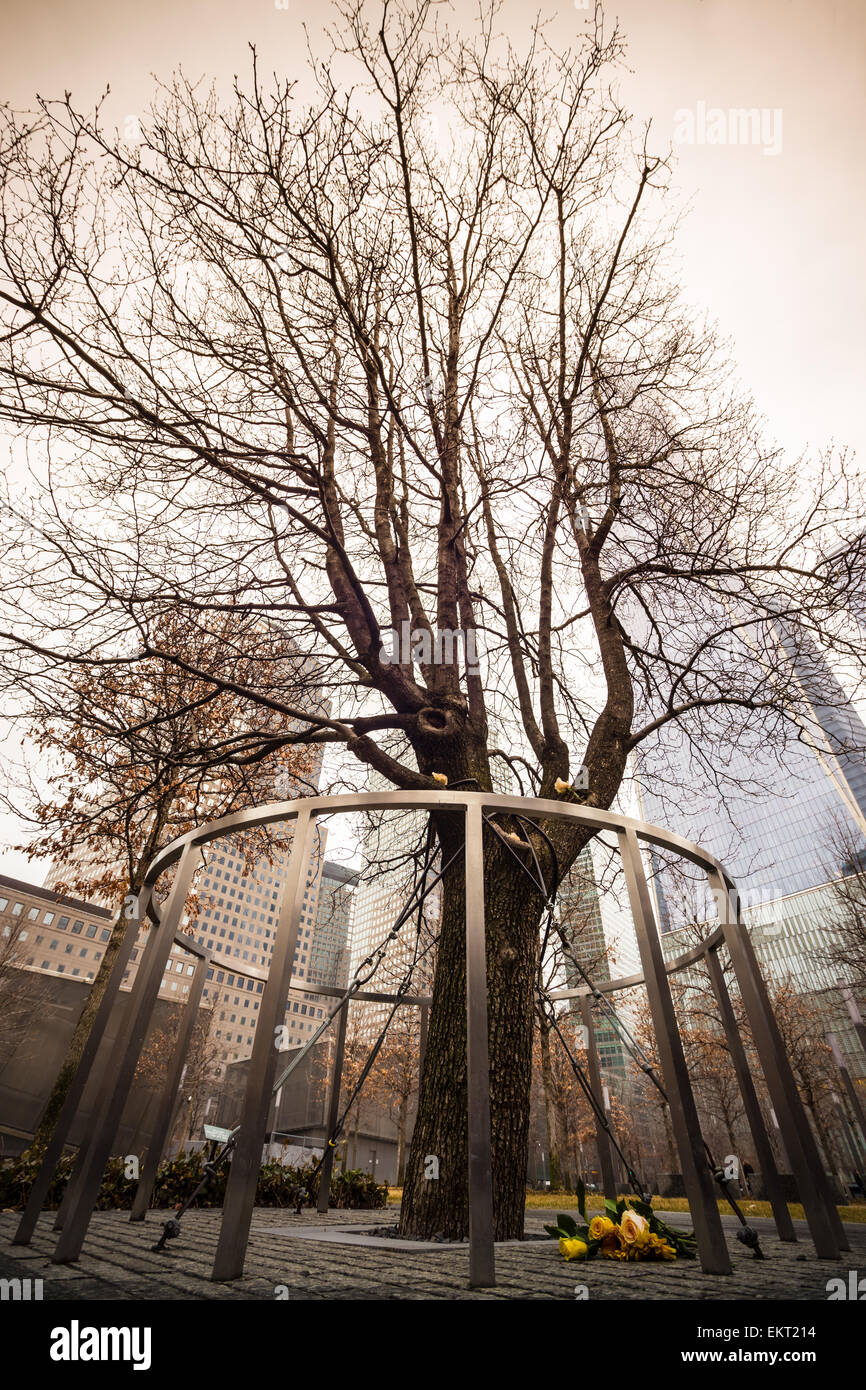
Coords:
184,855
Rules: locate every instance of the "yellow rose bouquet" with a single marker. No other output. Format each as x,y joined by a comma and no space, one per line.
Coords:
628,1229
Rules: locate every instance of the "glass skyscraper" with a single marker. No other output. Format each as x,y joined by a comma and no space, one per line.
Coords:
784,838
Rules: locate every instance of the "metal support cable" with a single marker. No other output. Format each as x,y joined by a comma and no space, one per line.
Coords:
375,958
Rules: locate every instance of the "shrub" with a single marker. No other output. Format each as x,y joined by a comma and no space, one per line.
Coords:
356,1188
279,1185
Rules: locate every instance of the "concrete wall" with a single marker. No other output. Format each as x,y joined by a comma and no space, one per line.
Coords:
31,1060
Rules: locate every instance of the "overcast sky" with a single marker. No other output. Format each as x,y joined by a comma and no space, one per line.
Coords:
774,242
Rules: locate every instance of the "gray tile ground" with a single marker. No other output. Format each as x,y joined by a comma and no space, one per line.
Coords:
117,1263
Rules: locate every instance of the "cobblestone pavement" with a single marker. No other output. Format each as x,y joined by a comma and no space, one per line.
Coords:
118,1263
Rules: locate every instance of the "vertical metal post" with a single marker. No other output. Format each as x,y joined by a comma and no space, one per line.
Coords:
57,1142
482,1267
806,1165
247,1158
154,943
602,1140
763,1151
697,1177
779,1140
165,1113
333,1113
92,1160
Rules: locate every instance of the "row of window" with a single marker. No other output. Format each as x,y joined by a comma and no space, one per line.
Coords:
48,920
60,968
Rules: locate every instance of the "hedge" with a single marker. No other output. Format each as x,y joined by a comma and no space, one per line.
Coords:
279,1185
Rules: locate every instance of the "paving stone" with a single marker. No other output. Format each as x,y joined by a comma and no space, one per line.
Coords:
117,1262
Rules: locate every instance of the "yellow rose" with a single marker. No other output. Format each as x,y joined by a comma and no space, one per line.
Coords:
611,1245
600,1226
635,1229
572,1249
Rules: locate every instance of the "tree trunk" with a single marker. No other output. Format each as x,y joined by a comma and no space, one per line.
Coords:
513,910
64,1078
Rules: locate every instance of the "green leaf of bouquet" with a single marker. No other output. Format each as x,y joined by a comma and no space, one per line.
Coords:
566,1223
554,1231
581,1198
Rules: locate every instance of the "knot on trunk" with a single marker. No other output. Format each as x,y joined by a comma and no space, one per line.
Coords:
437,723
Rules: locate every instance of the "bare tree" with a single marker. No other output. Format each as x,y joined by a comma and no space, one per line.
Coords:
403,361
138,754
843,949
22,992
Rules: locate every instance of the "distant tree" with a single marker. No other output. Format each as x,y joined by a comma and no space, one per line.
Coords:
22,992
714,1080
139,754
395,1081
202,1070
843,948
802,1023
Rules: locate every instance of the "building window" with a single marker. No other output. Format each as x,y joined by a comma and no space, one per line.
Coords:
33,914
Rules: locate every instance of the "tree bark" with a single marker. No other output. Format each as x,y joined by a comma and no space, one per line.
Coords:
513,910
